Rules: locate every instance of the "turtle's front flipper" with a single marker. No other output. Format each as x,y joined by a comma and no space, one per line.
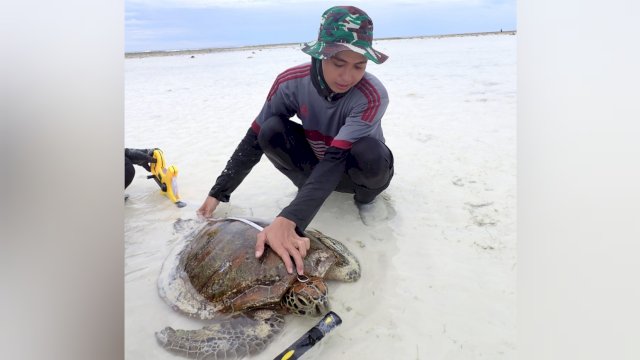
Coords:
235,337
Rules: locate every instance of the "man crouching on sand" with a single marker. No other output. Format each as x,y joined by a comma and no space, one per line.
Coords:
339,146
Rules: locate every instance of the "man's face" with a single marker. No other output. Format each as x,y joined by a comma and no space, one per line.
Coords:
343,70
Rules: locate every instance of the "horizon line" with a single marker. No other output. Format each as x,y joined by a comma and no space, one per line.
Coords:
152,53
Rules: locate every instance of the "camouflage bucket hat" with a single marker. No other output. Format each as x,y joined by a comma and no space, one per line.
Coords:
344,28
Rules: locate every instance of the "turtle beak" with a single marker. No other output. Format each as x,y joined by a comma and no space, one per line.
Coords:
321,307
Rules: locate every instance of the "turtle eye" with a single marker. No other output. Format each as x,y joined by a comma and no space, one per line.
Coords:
303,300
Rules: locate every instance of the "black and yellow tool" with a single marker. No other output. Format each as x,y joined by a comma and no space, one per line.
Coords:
166,178
311,337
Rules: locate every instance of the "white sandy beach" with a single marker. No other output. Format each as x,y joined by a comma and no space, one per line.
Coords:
438,278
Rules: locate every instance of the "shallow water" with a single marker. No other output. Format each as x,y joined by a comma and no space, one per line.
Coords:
438,278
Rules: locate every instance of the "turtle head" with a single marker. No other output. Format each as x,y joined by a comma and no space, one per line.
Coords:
307,298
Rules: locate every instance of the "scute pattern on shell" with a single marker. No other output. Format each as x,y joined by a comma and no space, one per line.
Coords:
213,274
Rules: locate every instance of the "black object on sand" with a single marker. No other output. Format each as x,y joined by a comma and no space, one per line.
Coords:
311,337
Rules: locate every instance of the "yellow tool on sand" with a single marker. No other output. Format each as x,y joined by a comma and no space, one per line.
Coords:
166,178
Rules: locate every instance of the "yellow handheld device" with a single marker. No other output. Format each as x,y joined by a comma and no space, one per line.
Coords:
311,337
165,177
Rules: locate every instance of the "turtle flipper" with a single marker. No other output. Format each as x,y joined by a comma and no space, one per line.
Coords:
235,337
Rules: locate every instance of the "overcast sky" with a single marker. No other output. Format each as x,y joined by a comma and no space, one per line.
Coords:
195,24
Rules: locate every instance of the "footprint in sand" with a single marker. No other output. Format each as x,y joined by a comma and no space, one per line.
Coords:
482,213
376,211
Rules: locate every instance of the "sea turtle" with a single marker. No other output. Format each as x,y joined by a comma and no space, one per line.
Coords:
214,274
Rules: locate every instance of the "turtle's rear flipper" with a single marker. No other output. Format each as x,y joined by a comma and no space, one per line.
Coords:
235,337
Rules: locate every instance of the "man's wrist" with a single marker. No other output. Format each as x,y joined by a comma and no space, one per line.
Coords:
214,193
284,220
291,223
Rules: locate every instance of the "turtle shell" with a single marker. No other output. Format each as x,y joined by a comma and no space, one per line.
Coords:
221,266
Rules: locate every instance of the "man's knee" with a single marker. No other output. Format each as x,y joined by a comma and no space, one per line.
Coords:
370,163
272,133
370,155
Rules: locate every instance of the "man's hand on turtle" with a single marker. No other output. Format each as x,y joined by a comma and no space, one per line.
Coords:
283,239
208,207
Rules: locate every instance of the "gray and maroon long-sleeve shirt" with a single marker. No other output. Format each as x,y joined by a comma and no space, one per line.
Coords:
331,125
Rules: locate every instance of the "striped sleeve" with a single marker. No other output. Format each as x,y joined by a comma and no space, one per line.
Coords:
366,116
281,99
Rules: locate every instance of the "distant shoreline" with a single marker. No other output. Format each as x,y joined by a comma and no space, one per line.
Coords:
144,54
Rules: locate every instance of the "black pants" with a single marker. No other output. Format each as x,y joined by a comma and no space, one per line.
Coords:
369,166
129,172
